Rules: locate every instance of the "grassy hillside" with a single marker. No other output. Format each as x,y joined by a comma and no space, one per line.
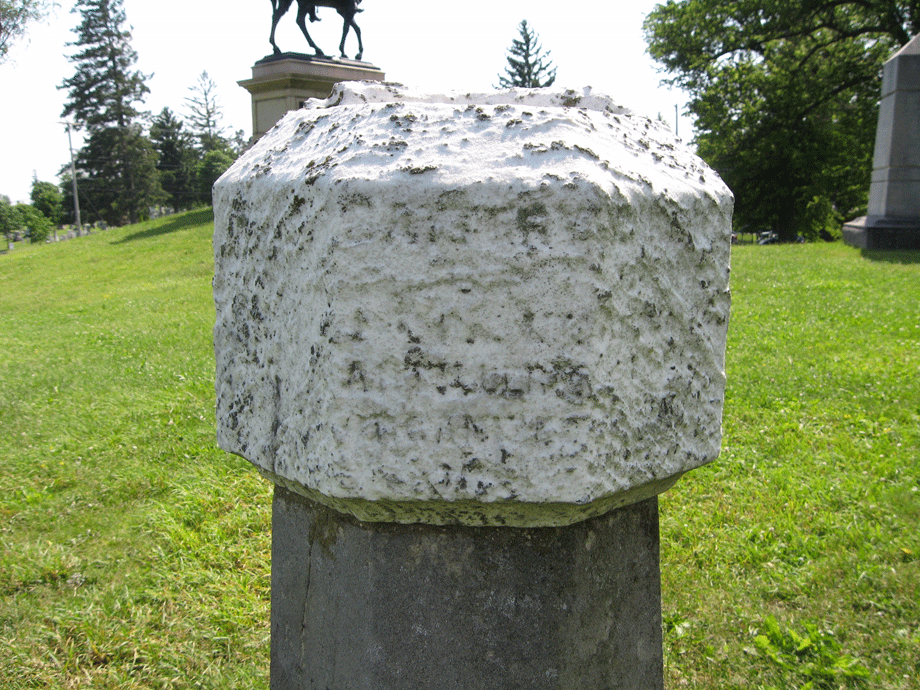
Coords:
136,555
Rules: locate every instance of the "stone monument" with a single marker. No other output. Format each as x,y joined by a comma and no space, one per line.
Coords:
893,220
470,338
284,82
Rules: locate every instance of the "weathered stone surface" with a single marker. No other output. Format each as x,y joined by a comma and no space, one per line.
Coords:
376,606
507,308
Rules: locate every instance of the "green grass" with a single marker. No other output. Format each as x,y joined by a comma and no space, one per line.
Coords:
808,525
136,555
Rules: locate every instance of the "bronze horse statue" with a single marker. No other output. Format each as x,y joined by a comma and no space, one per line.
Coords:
346,8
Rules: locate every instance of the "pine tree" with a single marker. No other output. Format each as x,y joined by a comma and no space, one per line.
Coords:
528,66
206,114
116,167
177,159
105,90
216,151
120,182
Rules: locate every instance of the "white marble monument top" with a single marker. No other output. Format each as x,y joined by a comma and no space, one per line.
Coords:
503,308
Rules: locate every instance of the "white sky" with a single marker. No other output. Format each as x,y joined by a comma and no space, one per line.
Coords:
431,45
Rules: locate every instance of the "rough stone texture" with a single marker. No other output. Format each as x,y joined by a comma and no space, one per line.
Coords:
376,606
505,308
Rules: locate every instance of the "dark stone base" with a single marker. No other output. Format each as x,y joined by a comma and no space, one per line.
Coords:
883,234
305,57
380,606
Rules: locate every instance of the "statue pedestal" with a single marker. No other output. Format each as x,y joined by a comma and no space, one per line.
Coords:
281,83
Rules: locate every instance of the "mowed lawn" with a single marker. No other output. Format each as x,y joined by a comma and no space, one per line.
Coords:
135,554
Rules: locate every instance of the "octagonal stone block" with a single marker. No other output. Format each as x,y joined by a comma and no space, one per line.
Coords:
506,308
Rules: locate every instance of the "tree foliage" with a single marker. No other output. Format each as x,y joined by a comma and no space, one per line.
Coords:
213,165
36,225
105,90
15,15
176,159
116,168
785,95
205,114
10,220
120,182
47,200
528,66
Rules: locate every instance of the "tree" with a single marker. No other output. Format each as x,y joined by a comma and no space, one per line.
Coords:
48,200
212,165
120,183
10,219
37,226
105,90
238,143
116,167
14,16
785,95
176,159
528,66
206,114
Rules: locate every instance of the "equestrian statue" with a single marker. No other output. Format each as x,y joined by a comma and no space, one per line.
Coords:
346,8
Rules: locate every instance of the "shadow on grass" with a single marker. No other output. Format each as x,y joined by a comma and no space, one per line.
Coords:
892,256
179,222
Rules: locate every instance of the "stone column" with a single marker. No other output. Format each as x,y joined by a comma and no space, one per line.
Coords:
893,220
470,338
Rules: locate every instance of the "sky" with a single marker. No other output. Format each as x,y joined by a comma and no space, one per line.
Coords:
433,46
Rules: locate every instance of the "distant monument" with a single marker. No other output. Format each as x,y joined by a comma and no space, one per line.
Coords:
893,220
284,81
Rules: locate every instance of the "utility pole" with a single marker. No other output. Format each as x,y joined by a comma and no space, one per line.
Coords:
73,179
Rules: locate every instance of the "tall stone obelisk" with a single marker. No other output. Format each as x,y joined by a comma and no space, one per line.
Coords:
893,220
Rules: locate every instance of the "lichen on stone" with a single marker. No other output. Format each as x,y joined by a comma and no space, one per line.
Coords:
425,315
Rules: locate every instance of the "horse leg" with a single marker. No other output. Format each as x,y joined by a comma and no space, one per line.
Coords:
302,8
350,24
360,44
279,7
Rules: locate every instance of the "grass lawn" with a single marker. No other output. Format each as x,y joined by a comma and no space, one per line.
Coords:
135,554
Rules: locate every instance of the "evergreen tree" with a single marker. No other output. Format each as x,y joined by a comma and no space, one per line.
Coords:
206,115
116,167
528,66
213,164
121,182
177,159
216,151
105,90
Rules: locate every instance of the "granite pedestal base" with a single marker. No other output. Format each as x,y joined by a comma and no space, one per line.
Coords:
883,234
382,606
